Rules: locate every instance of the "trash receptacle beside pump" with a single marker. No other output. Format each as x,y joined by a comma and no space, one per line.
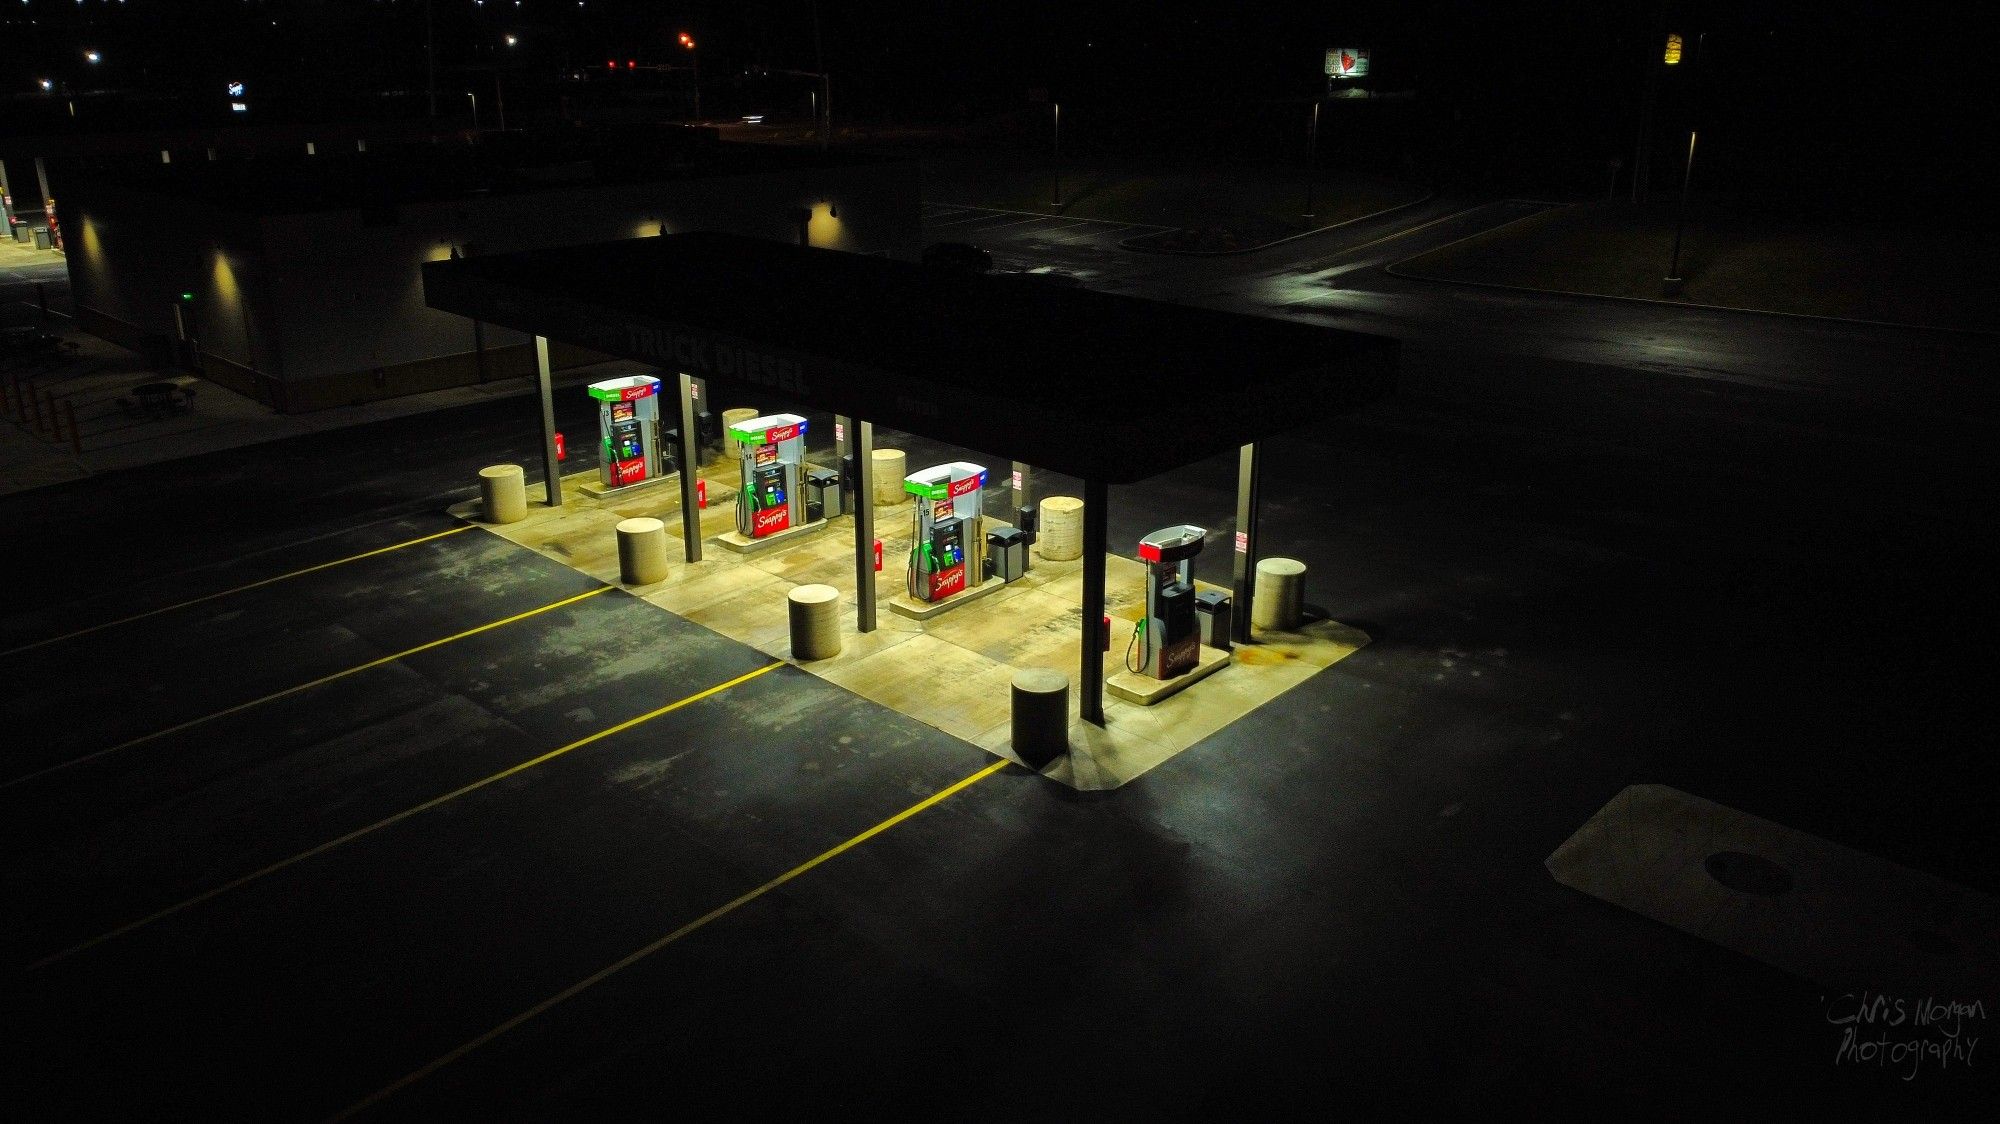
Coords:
773,451
947,537
822,494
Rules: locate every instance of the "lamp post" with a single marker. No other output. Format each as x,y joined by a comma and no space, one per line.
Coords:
1055,162
1672,282
1312,153
825,106
430,61
694,62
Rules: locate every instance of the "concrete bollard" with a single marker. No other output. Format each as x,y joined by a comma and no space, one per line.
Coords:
1041,716
642,551
890,466
737,414
815,613
1281,594
1060,531
503,492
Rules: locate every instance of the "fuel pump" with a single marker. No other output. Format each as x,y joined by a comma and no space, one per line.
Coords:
1167,642
628,424
947,537
773,450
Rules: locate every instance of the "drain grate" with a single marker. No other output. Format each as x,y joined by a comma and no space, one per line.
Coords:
1748,874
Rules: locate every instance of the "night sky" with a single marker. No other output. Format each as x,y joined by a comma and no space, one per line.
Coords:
1830,101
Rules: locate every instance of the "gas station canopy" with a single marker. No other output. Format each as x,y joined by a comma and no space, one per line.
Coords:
1093,385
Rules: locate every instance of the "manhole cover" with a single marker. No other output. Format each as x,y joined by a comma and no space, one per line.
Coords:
1747,874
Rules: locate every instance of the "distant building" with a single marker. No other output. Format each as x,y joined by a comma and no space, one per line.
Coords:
294,279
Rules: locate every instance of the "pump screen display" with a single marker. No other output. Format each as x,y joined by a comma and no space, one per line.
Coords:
623,412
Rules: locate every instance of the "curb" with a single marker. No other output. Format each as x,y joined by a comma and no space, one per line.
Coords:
1393,270
1126,244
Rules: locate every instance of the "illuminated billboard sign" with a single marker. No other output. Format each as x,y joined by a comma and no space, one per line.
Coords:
1347,62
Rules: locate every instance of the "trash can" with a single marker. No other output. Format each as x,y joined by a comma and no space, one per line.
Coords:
1007,552
1211,614
822,494
43,241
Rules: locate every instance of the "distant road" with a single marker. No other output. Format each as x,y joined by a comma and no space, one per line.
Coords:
1336,278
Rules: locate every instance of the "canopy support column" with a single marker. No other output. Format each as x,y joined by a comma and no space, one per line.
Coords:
1096,543
690,455
862,442
1248,503
551,469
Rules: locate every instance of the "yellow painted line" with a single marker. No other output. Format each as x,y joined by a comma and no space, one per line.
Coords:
602,974
231,592
320,682
399,817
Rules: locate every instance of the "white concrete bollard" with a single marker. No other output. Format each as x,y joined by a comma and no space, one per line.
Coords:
642,551
1059,530
503,493
1280,595
889,467
815,613
1040,716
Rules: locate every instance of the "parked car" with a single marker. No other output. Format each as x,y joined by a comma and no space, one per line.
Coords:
27,341
958,255
1053,277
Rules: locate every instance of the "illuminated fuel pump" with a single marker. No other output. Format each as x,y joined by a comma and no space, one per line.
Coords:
628,424
1168,641
948,538
773,450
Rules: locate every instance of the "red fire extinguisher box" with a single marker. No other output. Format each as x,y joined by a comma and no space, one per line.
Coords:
878,556
562,451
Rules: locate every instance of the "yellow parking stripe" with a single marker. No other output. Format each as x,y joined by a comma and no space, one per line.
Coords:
607,972
320,682
399,817
229,592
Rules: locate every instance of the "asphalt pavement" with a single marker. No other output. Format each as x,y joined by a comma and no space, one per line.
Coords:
1755,573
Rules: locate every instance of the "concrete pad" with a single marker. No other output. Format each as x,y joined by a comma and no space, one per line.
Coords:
952,671
938,684
905,605
1846,918
1144,690
598,490
744,544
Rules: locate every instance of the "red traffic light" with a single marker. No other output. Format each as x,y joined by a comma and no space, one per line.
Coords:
631,64
611,64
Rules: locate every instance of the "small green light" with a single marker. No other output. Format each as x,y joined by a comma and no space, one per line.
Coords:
187,296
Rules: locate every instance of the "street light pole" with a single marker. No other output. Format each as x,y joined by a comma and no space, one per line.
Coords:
1673,279
825,86
430,60
1056,162
1312,154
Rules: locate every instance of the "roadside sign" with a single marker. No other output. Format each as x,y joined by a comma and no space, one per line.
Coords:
1347,62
